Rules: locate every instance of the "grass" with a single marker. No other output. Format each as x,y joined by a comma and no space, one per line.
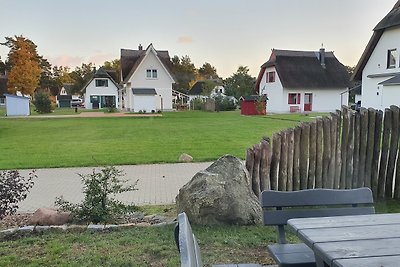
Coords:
143,246
69,142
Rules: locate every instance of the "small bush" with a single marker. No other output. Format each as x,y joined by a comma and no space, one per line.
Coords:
42,103
224,103
99,204
197,104
13,189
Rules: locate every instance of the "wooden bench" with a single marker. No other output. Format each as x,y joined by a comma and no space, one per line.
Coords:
279,207
189,249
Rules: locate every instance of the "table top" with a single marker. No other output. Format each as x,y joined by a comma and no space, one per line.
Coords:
361,240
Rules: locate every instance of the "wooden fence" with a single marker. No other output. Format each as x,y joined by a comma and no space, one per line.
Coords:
347,149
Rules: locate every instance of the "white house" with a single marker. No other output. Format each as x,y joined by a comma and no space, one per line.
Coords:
298,81
379,65
101,91
147,80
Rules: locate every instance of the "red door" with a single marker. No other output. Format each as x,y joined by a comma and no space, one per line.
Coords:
308,102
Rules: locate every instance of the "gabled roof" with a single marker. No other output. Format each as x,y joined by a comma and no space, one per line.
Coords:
303,69
3,85
131,59
101,73
392,19
144,91
197,88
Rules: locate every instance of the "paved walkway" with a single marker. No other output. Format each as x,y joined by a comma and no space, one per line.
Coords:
158,184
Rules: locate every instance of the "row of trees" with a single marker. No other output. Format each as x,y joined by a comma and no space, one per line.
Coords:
28,72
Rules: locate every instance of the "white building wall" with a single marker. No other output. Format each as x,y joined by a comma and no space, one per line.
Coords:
145,103
273,92
91,89
163,83
17,105
373,95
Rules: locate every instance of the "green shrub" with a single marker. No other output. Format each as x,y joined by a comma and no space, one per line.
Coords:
13,189
42,103
99,204
197,104
224,103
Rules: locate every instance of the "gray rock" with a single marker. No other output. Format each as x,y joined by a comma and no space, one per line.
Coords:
220,195
185,158
95,227
48,216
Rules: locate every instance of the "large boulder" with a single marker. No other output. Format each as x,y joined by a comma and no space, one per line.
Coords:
47,216
220,195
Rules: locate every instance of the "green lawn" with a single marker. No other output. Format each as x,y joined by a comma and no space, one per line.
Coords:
143,246
67,142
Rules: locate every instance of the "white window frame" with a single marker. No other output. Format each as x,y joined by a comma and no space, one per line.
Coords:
151,74
102,80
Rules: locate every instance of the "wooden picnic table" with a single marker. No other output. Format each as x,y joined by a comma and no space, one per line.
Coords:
347,241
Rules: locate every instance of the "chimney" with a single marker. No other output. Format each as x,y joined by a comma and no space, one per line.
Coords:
322,57
140,47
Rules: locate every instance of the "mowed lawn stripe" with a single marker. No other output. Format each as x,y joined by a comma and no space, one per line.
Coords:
73,142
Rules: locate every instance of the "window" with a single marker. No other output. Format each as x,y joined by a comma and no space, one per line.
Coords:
271,77
101,83
151,74
391,58
294,98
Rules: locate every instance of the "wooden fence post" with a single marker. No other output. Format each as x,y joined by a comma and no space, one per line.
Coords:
384,152
326,183
394,140
265,165
319,158
350,151
313,155
363,146
296,159
282,177
304,148
250,165
345,137
331,173
276,155
338,163
256,170
356,155
375,157
290,140
370,147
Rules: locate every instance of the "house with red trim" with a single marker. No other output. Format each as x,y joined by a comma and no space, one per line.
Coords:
303,81
379,66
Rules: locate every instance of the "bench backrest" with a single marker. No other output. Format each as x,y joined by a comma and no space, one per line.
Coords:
186,242
280,206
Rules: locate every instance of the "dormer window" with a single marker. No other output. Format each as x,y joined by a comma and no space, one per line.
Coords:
151,74
101,83
391,58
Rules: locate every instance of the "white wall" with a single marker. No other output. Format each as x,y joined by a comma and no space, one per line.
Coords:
145,103
17,105
91,89
373,95
273,91
163,83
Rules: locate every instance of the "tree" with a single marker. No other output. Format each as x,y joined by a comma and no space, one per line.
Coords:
114,65
42,102
25,70
185,72
81,76
208,87
240,83
208,72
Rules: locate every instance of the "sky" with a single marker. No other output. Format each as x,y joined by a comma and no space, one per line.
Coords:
224,33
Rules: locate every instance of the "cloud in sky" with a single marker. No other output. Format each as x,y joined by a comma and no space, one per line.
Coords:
185,39
66,60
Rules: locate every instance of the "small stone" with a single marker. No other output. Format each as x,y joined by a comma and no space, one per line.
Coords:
96,227
185,158
26,228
